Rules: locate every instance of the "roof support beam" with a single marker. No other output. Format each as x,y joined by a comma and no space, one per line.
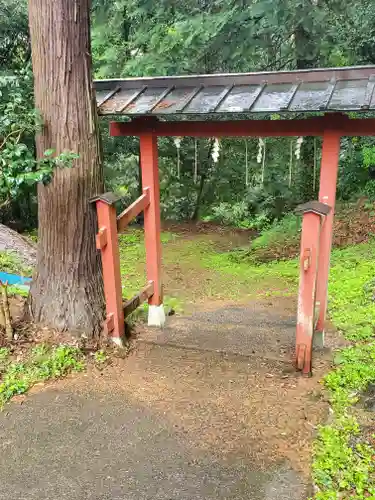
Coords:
247,128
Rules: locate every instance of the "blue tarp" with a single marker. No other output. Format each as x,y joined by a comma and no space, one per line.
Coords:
14,279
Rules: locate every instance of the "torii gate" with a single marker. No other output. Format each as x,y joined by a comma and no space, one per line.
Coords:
328,92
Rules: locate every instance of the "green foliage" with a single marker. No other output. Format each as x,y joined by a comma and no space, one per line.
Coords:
18,290
42,363
100,357
281,233
355,371
231,214
351,304
10,263
368,156
4,359
20,171
343,462
14,34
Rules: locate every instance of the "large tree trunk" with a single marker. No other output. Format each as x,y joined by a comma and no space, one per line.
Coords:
67,291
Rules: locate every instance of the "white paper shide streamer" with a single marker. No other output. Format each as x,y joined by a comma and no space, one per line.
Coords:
261,158
260,150
297,151
215,151
177,142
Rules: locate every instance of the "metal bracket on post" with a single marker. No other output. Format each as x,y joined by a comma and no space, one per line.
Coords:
313,214
107,243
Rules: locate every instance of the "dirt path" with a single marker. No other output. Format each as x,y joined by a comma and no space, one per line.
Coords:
225,374
209,408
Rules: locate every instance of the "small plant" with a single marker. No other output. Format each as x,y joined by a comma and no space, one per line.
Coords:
230,214
4,359
42,363
100,357
21,291
341,464
278,240
368,156
282,232
4,354
173,305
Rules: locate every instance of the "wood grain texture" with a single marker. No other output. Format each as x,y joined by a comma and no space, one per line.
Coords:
67,292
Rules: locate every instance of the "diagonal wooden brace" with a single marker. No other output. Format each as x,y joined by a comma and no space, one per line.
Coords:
133,210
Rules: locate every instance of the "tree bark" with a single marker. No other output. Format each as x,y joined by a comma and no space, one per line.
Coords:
67,290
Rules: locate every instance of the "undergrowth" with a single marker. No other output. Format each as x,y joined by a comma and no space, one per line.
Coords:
344,460
280,233
42,363
221,275
10,263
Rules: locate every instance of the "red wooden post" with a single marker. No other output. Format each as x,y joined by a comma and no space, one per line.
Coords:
313,213
327,194
150,180
107,243
306,294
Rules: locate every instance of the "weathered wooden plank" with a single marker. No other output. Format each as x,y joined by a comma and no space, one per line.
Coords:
132,304
133,210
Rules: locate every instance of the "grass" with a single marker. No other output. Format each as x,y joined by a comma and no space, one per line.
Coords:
204,271
344,460
343,464
41,363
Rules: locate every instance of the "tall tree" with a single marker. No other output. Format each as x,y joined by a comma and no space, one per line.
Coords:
67,290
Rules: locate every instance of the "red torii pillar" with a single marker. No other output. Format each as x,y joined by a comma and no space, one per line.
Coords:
316,242
107,242
327,195
152,225
314,214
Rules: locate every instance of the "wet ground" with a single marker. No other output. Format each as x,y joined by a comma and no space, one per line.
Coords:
209,408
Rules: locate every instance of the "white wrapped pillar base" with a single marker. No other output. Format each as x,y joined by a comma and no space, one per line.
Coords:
156,315
119,341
